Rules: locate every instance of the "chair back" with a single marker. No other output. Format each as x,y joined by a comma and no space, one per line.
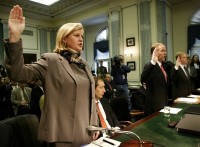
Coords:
24,128
120,108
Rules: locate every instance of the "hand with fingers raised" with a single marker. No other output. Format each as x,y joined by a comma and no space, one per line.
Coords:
16,23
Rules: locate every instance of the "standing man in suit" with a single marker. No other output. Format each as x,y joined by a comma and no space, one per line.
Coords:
193,75
156,78
180,77
20,98
37,92
101,70
104,106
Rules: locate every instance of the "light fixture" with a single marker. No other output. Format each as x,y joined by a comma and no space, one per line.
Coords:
45,2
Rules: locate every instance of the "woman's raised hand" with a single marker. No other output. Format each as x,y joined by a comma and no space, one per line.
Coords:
16,23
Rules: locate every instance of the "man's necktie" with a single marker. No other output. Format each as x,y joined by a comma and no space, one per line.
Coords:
103,123
25,95
164,72
186,71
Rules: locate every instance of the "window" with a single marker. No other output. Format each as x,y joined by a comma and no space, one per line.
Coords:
102,50
101,47
195,18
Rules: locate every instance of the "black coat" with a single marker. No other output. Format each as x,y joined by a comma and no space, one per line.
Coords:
156,87
35,98
180,83
111,118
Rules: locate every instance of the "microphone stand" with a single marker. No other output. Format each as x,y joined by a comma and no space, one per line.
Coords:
126,133
113,130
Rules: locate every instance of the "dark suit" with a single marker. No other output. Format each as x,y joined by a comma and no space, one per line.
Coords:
36,93
6,109
7,136
156,88
138,98
110,116
193,78
109,87
180,83
101,71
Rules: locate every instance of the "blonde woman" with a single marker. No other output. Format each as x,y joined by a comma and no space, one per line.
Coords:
69,105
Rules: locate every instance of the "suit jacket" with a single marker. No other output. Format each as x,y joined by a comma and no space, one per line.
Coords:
101,71
59,118
193,78
138,98
180,83
110,116
7,136
6,109
16,97
109,87
156,88
36,93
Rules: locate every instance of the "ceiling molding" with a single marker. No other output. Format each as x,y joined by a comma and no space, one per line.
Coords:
60,9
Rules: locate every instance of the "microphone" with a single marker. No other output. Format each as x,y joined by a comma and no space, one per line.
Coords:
113,130
126,133
94,128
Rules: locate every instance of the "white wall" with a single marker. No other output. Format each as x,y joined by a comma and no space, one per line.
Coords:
90,35
181,14
130,29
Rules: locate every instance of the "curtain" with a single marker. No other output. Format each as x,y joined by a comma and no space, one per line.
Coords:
161,22
52,39
1,45
192,34
145,31
102,46
43,41
114,30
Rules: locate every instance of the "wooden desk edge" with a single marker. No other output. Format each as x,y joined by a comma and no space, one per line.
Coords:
137,123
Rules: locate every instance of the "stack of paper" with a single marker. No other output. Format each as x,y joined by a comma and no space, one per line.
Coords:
104,142
172,110
187,100
193,96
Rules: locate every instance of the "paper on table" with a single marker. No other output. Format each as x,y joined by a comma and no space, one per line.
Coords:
187,100
100,143
193,96
173,110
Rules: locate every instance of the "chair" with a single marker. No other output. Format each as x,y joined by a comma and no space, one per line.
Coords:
24,129
120,108
138,103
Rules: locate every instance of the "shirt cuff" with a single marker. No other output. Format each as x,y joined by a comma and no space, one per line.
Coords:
152,62
176,68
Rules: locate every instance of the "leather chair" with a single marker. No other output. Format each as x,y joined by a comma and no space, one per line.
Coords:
120,108
24,130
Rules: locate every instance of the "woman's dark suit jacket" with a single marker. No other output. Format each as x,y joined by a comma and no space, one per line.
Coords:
156,88
61,89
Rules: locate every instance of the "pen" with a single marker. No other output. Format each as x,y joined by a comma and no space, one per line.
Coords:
108,142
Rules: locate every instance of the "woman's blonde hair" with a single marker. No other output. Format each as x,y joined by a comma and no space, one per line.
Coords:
64,31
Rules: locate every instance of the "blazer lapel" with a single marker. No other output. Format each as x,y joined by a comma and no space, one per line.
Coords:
67,67
160,71
182,73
